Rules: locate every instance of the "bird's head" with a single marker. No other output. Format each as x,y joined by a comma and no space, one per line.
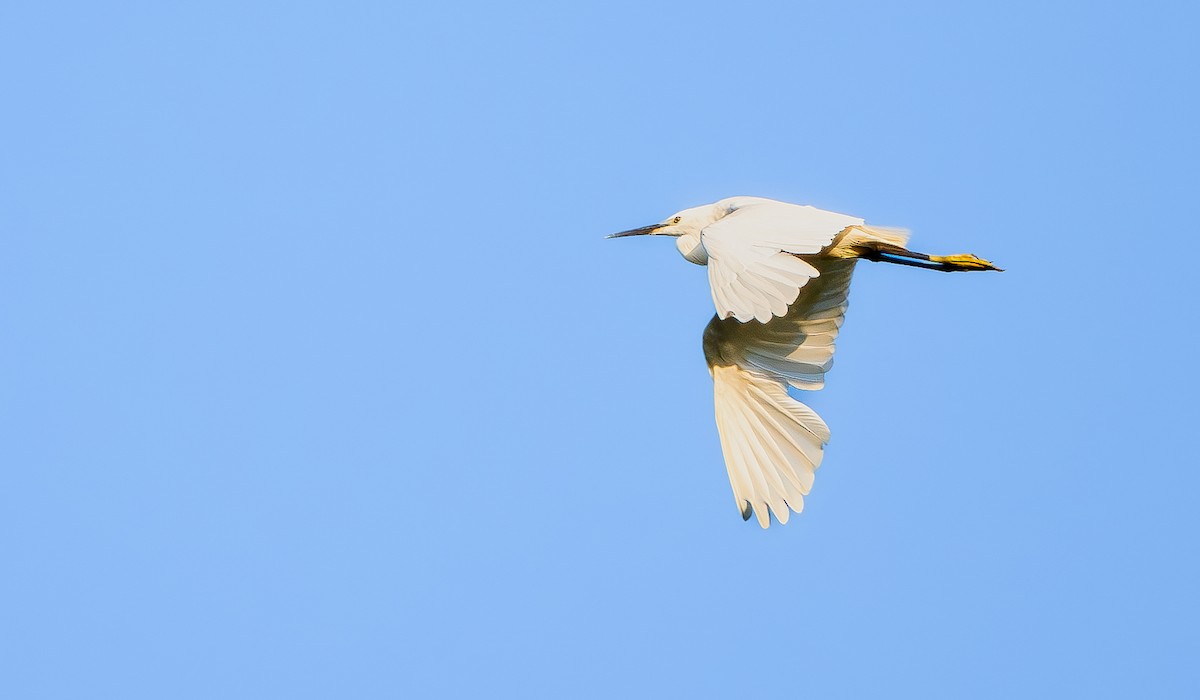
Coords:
676,225
684,226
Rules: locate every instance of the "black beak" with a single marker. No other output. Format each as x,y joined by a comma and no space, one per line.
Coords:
645,230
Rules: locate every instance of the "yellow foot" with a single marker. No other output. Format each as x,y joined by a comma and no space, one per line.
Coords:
964,261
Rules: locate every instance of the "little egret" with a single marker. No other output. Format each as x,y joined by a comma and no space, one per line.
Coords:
780,277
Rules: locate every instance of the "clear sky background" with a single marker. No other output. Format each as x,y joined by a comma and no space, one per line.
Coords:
320,380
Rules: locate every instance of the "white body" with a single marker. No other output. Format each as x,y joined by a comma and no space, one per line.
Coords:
780,278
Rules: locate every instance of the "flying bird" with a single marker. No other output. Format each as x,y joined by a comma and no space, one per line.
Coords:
780,277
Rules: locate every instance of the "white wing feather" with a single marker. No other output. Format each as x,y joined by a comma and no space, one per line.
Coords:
773,444
752,265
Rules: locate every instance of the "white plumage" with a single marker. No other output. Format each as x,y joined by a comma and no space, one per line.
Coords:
754,267
780,279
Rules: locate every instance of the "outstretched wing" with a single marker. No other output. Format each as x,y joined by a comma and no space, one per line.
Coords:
752,265
773,444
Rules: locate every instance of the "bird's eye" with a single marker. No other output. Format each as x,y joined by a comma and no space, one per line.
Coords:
677,219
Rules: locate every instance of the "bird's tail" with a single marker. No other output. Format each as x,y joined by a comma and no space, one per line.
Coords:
867,235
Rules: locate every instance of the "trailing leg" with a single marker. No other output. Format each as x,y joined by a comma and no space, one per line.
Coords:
877,251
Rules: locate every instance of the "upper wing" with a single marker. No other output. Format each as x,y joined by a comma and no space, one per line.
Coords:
773,443
752,265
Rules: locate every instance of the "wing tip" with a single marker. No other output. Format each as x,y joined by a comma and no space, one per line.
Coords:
782,515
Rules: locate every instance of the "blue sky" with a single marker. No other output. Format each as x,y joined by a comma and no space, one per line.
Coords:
319,379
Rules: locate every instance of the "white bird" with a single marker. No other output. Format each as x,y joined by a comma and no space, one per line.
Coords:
780,276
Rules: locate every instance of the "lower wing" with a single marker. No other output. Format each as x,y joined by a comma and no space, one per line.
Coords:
773,443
